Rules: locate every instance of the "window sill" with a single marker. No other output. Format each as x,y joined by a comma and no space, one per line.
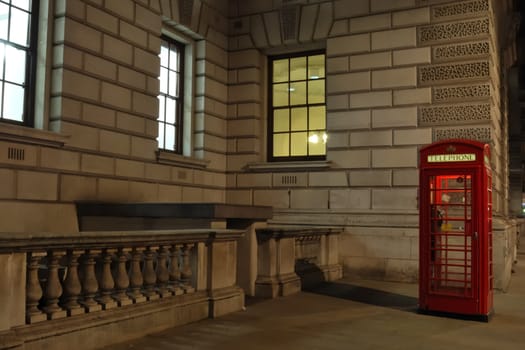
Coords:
289,166
169,158
28,135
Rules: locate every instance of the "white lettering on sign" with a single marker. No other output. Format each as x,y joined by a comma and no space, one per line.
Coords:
464,157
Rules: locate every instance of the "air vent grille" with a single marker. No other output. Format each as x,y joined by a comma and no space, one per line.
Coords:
15,153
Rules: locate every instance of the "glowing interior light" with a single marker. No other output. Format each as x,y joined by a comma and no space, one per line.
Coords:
313,138
325,137
291,89
314,77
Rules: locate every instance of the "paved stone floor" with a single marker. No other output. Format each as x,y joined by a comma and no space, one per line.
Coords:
350,314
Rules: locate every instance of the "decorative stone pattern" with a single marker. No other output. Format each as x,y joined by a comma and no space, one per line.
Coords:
457,93
460,9
453,72
436,115
289,22
466,50
479,134
454,31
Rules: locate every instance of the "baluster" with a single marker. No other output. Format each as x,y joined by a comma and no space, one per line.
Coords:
106,281
71,285
135,276
185,274
53,289
149,275
174,270
33,288
89,281
121,278
162,272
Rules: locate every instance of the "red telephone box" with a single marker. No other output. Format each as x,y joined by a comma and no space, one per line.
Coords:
455,235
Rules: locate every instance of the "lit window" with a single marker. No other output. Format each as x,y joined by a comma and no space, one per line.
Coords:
297,107
18,31
171,97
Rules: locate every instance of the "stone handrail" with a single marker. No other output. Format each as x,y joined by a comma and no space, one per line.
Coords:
54,276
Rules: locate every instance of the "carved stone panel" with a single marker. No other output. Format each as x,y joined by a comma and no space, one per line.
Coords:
450,114
460,9
444,73
480,133
460,51
472,29
461,93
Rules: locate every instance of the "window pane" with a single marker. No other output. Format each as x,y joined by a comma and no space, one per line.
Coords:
170,137
316,67
163,80
23,4
298,142
4,20
164,54
316,143
1,106
162,101
280,71
281,120
299,119
281,145
298,93
170,110
13,102
317,118
19,27
15,66
174,58
280,95
173,86
160,138
298,68
2,56
316,91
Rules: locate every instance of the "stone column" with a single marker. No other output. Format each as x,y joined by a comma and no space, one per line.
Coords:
33,288
186,272
89,281
149,275
106,281
135,276
162,272
174,270
121,278
72,285
53,288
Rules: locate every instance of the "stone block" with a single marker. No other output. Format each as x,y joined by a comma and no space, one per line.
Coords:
347,9
411,17
147,19
371,99
30,216
238,93
192,194
339,28
143,148
337,64
389,5
65,107
412,96
351,159
309,199
132,78
117,49
77,188
290,180
371,60
254,180
115,95
169,193
142,192
337,139
122,8
412,56
101,67
348,120
242,197
97,164
326,11
336,83
420,136
129,168
348,44
370,23
77,84
328,178
114,142
81,136
396,38
131,122
337,102
349,199
35,185
59,159
12,297
273,198
101,19
157,172
112,190
145,104
146,61
65,55
98,115
394,158
399,199
371,138
394,117
7,184
406,177
73,32
370,178
134,34
390,78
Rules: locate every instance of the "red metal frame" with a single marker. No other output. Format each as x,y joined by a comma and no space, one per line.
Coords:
455,208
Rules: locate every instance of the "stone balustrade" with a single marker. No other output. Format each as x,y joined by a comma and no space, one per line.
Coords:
290,258
55,278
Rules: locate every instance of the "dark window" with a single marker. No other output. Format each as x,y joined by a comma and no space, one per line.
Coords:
18,41
171,95
297,122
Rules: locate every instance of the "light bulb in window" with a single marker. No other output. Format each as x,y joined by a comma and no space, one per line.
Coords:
313,138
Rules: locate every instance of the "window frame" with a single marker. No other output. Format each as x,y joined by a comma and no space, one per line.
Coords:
271,108
179,110
28,113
